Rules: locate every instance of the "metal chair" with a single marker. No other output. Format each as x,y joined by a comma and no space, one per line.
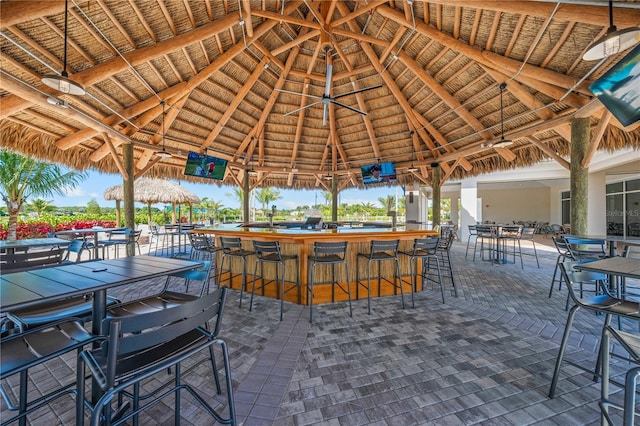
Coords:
203,246
563,255
117,238
330,254
603,303
380,251
166,298
425,250
232,249
528,233
485,236
472,234
269,252
509,234
138,347
21,352
157,234
631,344
586,248
444,254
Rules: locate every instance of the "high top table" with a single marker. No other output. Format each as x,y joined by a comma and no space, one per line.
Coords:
28,288
84,233
28,243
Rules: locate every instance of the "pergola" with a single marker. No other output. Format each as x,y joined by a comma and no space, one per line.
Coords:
302,90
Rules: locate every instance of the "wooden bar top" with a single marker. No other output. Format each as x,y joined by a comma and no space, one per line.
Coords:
309,236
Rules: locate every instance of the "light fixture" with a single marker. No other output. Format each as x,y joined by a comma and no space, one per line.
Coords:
62,82
503,142
57,102
164,153
327,176
252,172
613,41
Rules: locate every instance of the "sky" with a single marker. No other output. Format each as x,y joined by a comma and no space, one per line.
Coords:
94,186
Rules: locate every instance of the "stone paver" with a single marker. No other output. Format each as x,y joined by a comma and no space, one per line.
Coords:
485,357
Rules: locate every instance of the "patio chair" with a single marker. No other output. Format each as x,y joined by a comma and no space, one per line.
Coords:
444,254
564,254
24,351
140,346
602,303
232,249
631,344
472,234
528,233
586,248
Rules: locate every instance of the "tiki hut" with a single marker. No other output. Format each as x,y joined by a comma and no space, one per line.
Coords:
150,191
299,91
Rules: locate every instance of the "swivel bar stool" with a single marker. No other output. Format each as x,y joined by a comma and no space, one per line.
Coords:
380,251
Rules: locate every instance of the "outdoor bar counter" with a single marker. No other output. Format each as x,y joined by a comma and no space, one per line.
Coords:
300,242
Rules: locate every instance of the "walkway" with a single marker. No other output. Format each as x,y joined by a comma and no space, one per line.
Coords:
485,358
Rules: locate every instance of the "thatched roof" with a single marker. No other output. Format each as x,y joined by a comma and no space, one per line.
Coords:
148,190
238,84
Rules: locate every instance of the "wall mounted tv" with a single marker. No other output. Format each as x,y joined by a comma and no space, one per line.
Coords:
379,173
205,166
619,88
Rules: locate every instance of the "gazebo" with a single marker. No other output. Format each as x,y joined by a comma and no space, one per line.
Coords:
150,191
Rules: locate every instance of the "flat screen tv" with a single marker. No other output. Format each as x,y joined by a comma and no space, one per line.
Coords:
379,173
205,166
619,88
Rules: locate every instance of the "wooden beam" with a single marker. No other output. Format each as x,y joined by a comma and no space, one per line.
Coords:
508,65
246,14
551,153
596,138
15,12
284,18
508,155
115,156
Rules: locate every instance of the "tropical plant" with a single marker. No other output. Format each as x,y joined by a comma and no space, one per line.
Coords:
237,194
93,208
267,195
40,206
22,178
328,197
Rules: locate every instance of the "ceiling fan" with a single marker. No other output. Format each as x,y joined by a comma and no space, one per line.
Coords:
326,99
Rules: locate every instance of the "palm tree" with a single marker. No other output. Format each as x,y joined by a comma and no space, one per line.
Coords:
238,194
209,204
328,197
387,202
266,196
23,177
40,205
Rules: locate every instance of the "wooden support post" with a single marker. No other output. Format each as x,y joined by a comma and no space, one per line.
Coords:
127,184
246,194
118,216
580,136
334,198
435,185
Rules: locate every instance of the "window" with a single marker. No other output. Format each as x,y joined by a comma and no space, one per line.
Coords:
623,208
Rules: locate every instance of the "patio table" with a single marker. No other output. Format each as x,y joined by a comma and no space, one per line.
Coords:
611,240
84,233
618,266
28,243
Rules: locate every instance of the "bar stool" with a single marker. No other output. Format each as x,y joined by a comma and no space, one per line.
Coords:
380,251
564,253
232,249
444,254
472,234
631,344
424,249
269,252
331,254
484,235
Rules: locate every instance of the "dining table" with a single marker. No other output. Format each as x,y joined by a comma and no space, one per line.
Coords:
10,247
625,267
612,240
29,288
86,233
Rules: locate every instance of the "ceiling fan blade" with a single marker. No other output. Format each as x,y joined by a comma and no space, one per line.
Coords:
300,109
358,91
327,84
298,93
347,107
324,114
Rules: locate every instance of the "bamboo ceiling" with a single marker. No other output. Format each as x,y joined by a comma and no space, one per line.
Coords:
237,75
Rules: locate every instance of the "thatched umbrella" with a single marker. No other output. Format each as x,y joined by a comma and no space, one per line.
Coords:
148,190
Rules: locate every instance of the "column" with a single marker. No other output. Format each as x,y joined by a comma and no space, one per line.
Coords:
435,184
580,136
469,206
127,185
